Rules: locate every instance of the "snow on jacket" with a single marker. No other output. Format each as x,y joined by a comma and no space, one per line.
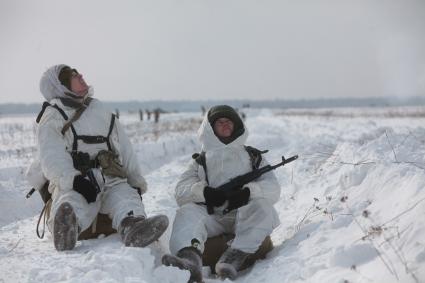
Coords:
54,148
223,162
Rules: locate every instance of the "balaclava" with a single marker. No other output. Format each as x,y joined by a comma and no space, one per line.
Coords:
225,111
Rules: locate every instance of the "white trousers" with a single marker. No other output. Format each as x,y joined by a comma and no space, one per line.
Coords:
250,223
117,201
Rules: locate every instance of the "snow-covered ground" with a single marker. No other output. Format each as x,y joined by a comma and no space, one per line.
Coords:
352,206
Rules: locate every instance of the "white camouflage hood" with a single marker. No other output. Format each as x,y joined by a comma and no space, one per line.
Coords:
51,87
210,141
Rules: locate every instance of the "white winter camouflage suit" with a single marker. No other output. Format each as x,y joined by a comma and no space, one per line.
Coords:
251,223
117,197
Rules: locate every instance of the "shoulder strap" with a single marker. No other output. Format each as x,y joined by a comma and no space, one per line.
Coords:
255,156
111,127
77,115
60,111
200,159
43,108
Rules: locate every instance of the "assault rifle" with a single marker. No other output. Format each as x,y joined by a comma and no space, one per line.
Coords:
240,181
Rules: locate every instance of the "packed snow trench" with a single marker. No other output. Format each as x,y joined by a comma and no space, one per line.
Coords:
352,206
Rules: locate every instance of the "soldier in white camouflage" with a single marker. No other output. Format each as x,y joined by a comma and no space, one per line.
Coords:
89,162
204,211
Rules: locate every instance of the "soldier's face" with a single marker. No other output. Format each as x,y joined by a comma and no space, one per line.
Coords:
223,127
78,84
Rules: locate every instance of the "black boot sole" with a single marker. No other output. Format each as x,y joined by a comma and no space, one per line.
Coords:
146,232
65,229
184,264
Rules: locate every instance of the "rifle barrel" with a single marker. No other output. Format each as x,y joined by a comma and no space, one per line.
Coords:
290,159
285,161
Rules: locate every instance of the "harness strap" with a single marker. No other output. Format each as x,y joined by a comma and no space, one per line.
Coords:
77,115
139,191
75,142
255,155
45,214
68,125
60,111
111,127
92,139
200,159
43,108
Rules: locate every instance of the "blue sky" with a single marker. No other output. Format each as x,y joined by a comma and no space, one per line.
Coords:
216,49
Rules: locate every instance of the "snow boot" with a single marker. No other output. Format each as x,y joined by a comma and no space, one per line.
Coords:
188,258
65,228
230,263
139,231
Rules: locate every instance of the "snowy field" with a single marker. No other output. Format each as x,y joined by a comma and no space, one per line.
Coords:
352,206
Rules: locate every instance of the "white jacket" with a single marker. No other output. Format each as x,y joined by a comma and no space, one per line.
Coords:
223,162
54,162
54,148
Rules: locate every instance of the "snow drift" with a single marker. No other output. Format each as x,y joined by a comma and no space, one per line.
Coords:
352,207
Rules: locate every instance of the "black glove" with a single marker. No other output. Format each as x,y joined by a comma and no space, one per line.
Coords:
214,197
237,199
85,187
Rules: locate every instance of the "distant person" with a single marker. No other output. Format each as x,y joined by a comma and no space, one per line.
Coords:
203,110
117,113
156,115
148,113
90,164
141,114
248,213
